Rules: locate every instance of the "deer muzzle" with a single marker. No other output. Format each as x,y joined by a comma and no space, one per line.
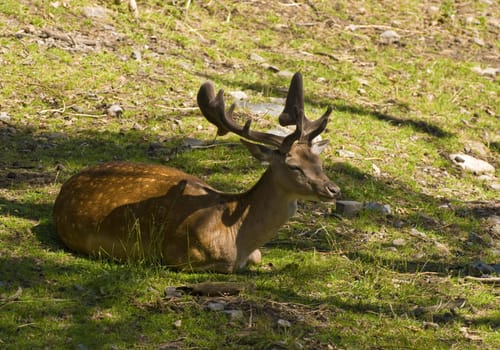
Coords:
330,191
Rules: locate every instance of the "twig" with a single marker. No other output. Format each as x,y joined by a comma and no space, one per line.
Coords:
177,108
483,279
186,9
378,26
87,115
214,145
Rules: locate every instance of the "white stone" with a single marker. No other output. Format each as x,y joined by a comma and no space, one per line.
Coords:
239,95
389,37
469,163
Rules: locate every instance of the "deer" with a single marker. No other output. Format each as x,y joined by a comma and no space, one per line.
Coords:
137,211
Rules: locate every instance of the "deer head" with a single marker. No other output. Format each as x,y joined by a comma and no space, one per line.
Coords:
295,158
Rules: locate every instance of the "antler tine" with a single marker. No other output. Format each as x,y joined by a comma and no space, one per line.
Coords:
317,126
294,110
213,108
294,98
297,134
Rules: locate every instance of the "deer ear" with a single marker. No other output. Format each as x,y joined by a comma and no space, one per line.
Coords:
260,152
318,147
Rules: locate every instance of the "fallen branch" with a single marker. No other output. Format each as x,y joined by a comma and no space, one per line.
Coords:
492,280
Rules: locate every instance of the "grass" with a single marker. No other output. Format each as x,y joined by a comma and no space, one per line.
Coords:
341,283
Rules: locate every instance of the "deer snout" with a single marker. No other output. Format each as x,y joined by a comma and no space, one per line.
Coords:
332,190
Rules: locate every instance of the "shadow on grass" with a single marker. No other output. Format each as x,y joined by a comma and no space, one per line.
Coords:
73,303
425,307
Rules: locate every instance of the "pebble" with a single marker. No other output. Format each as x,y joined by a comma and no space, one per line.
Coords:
418,234
398,242
234,314
178,324
477,148
114,110
482,268
172,292
257,58
442,248
136,55
345,153
469,163
489,71
95,12
4,116
284,323
239,95
348,208
215,306
389,37
285,74
378,207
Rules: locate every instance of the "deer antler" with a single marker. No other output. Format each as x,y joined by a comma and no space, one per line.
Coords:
294,102
213,108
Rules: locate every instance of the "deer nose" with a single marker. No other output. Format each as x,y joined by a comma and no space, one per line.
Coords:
332,189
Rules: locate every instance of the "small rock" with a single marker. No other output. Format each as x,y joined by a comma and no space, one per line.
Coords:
239,95
234,314
399,224
480,268
348,208
469,163
442,248
191,142
270,67
493,220
430,325
4,117
216,306
381,208
82,347
136,55
256,58
185,65
477,148
345,153
285,74
418,234
114,110
479,41
495,186
178,324
474,238
284,323
389,37
489,71
398,242
95,12
433,10
172,292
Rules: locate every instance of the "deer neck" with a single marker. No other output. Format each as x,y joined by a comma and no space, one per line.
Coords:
264,209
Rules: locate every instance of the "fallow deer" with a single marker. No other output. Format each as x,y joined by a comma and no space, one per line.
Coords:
127,210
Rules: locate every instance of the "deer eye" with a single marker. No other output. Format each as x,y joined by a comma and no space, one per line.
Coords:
293,167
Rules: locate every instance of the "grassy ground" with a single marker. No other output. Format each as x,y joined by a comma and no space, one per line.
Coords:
327,282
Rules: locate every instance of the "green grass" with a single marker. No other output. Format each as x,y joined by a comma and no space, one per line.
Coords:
342,283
